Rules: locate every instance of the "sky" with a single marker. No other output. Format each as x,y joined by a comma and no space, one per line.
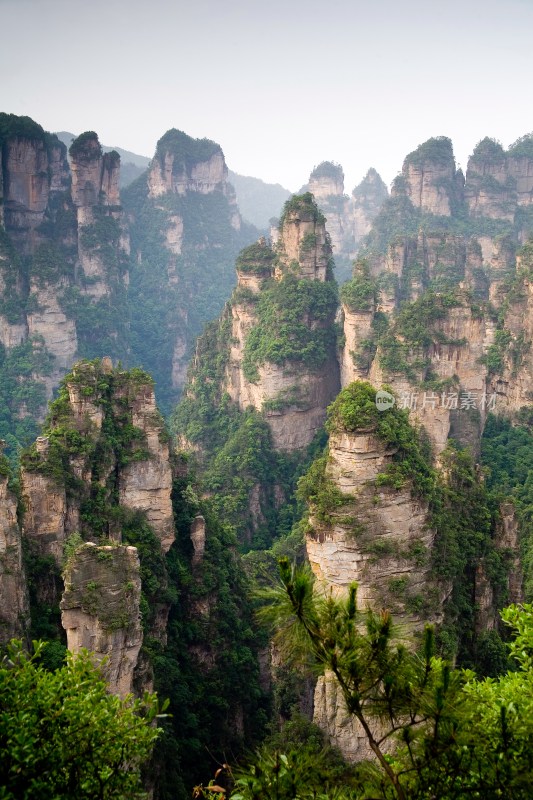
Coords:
281,86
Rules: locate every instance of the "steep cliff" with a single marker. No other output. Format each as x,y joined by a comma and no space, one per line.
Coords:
186,231
63,263
14,600
100,609
104,448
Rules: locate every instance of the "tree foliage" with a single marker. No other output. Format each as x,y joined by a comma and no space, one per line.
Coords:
62,735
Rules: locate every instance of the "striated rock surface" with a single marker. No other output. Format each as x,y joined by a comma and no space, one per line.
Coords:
64,249
146,484
100,609
14,603
374,537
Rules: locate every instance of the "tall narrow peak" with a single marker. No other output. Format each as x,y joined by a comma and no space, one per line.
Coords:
103,242
429,178
283,362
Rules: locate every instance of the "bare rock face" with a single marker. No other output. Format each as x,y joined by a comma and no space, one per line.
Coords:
429,178
146,484
45,507
100,609
341,728
14,603
326,184
26,188
58,331
96,196
198,539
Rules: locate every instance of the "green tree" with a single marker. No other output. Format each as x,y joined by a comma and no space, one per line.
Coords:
434,732
62,735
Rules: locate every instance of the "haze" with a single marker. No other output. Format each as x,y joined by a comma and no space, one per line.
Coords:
281,86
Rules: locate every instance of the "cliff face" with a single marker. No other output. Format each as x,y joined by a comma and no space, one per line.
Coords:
100,609
101,473
500,182
14,602
63,258
437,317
66,281
429,178
378,537
276,379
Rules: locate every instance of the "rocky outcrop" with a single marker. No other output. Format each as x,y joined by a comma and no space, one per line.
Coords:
134,471
340,727
46,517
146,484
198,539
101,227
14,603
499,182
292,395
379,537
100,609
65,248
429,178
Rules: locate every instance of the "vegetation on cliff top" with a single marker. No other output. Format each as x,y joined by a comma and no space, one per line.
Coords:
327,169
256,259
86,145
186,151
438,150
13,126
302,204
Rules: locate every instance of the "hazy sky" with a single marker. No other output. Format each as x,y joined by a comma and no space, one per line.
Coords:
281,86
